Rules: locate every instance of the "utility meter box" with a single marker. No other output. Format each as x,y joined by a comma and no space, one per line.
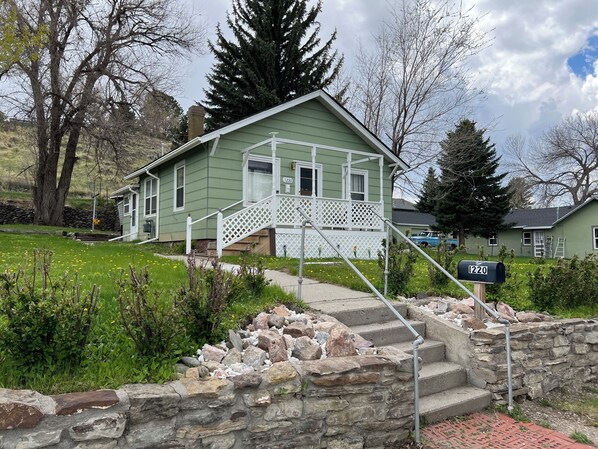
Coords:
481,271
148,226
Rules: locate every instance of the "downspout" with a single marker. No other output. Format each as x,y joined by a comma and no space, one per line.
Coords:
157,210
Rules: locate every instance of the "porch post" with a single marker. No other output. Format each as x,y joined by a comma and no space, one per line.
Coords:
348,193
188,236
219,234
274,207
381,164
314,208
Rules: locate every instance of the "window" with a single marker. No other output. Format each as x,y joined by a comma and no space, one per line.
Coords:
358,186
258,179
493,240
527,238
595,234
304,175
127,205
179,186
151,196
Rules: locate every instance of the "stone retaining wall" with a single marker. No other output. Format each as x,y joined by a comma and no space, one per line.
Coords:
344,402
73,218
546,355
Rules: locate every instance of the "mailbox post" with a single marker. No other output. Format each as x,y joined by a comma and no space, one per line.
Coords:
480,273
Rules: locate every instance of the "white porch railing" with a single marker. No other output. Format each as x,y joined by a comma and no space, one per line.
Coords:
281,210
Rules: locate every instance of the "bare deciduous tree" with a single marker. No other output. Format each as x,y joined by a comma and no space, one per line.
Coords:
562,165
414,84
94,54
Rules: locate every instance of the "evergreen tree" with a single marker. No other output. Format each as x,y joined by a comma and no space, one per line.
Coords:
274,56
427,198
471,198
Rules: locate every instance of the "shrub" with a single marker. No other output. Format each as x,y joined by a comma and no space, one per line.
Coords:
152,324
252,275
401,261
445,256
46,321
567,285
509,290
203,302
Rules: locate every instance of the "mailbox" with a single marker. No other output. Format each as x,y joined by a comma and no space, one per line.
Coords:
148,226
481,271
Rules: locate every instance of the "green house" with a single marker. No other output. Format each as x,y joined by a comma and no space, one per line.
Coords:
249,183
549,232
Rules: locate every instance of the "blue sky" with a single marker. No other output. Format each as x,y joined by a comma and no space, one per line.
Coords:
582,62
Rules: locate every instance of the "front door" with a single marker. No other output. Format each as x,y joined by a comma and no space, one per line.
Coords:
539,244
134,217
304,179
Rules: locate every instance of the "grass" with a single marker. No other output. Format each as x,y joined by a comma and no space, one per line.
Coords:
586,405
580,438
110,359
335,271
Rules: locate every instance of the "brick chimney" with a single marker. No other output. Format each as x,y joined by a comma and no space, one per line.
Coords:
195,116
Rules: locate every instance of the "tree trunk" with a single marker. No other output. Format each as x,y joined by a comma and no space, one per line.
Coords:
461,237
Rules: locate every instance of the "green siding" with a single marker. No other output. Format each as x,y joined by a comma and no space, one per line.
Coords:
215,182
576,229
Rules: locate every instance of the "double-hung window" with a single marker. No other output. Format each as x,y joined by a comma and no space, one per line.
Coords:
595,236
527,238
127,205
151,196
358,185
179,186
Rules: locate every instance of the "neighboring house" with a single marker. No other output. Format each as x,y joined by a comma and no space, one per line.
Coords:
549,232
308,153
406,217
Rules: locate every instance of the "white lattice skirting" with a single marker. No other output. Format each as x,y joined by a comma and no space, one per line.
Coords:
352,244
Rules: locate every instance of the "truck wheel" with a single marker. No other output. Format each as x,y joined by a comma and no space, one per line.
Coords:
424,244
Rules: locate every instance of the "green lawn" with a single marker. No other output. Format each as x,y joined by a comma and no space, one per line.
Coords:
110,359
341,274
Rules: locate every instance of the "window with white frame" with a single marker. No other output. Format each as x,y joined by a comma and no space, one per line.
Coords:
493,240
527,238
358,185
258,178
151,196
127,205
179,186
595,235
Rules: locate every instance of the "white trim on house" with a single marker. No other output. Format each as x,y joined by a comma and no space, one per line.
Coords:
176,187
595,237
341,113
126,205
529,238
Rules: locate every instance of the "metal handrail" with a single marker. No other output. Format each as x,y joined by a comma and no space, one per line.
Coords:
114,239
498,318
190,224
419,340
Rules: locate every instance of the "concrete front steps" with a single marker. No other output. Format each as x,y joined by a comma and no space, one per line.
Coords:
444,391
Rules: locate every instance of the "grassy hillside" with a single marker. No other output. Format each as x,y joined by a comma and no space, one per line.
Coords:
95,164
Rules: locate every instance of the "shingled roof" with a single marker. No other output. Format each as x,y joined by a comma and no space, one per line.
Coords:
539,218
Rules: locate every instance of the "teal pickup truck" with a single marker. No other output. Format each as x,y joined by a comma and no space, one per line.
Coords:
431,239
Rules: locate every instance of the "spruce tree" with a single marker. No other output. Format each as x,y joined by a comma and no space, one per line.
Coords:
274,56
471,198
427,198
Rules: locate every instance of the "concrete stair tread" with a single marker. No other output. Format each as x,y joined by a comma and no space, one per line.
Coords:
430,351
389,325
361,311
454,402
439,369
440,376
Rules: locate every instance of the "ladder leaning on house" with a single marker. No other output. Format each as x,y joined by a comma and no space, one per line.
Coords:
560,248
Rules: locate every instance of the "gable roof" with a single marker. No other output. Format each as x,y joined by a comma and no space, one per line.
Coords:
324,98
402,204
542,218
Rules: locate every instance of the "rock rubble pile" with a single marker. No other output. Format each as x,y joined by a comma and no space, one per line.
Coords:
278,336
